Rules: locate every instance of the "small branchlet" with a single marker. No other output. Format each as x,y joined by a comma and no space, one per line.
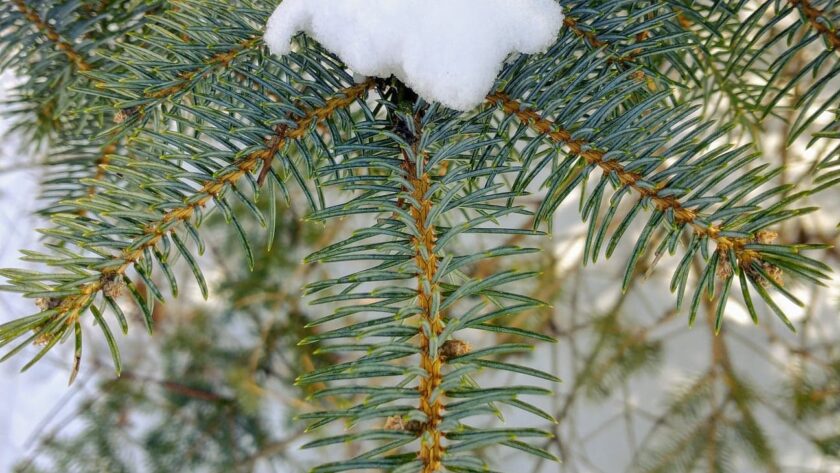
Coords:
724,268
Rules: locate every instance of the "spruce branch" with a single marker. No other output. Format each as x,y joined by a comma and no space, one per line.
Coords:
749,254
431,404
50,100
133,111
766,56
593,156
62,312
217,61
204,119
819,21
52,35
413,179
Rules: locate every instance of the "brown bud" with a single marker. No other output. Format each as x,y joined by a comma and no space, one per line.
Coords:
775,273
47,303
413,426
43,339
124,114
394,423
454,348
112,286
724,267
397,423
766,237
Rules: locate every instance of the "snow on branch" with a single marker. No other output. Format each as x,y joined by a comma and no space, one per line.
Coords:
449,51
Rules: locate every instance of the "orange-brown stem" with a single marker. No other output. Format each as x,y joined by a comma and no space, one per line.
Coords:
595,157
431,451
431,447
72,306
813,16
219,60
593,41
571,24
47,30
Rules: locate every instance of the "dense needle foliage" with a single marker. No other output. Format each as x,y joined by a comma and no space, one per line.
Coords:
160,114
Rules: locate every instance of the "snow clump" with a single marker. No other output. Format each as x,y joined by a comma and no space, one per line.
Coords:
449,51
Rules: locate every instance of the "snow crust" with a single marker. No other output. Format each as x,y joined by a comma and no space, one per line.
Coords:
449,51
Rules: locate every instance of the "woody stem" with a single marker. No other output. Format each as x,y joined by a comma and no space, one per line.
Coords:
431,451
432,325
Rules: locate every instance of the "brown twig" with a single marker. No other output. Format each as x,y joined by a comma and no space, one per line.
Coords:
47,30
431,448
71,307
178,388
816,19
593,40
219,60
682,215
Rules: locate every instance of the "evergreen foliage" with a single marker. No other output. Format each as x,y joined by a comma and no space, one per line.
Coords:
160,114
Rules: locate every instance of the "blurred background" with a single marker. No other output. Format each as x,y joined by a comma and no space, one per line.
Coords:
213,389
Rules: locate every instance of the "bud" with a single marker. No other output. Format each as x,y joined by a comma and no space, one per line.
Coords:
112,286
454,348
124,114
47,303
775,273
394,423
397,423
43,339
724,267
766,237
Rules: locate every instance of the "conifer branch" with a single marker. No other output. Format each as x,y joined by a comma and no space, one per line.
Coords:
431,404
407,184
185,80
819,22
70,308
216,62
592,39
205,120
51,34
557,134
84,32
682,216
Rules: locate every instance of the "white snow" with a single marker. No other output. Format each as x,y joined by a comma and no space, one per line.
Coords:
449,51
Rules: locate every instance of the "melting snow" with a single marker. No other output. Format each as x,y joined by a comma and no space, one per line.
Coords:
448,51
